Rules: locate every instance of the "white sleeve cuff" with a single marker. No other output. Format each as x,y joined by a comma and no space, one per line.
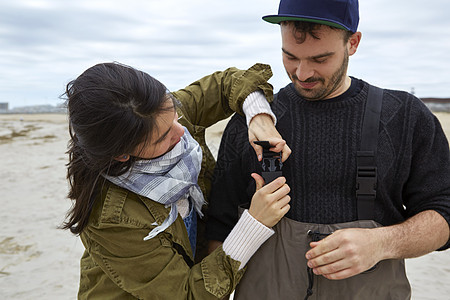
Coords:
255,104
245,238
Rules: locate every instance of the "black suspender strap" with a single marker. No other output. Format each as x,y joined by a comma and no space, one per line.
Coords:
366,174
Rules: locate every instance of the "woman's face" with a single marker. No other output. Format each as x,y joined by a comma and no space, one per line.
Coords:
165,136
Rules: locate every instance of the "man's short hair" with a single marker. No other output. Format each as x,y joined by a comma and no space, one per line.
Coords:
301,29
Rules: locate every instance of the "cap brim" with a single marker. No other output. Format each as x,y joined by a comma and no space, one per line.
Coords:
277,19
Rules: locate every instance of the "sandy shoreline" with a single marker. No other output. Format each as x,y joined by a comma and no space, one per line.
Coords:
39,261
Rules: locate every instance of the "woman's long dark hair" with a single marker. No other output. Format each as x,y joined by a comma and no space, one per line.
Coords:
112,110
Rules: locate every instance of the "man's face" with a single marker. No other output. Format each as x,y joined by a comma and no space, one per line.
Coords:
317,67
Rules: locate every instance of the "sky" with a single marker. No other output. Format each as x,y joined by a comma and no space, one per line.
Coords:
46,43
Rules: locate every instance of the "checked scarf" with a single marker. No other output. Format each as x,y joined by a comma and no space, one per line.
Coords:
167,179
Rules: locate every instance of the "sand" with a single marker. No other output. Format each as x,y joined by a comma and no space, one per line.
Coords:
40,261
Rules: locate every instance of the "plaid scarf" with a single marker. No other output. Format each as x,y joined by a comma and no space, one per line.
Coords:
167,179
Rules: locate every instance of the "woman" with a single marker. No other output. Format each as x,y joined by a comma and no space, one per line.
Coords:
133,172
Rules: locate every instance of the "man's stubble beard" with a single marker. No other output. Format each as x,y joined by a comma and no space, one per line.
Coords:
336,80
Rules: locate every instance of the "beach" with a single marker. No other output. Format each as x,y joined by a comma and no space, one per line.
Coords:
40,261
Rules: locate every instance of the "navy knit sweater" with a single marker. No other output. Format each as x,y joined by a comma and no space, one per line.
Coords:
413,160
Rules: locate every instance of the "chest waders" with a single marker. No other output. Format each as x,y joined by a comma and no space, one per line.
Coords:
278,270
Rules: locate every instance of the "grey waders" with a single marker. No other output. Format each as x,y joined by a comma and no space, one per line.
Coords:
278,270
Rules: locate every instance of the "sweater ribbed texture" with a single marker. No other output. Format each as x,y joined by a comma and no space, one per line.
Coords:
245,238
322,172
255,104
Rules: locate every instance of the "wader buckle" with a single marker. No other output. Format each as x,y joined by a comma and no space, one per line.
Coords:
366,181
271,162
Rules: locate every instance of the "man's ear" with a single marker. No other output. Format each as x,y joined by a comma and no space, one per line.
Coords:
122,158
353,42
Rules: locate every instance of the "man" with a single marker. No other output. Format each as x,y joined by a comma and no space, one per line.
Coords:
369,175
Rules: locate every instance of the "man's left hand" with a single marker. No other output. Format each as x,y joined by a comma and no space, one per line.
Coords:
345,253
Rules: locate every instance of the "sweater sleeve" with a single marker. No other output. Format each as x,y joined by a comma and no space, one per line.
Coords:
428,185
245,238
256,104
232,185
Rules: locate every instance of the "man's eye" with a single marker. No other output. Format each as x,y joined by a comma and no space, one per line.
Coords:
320,60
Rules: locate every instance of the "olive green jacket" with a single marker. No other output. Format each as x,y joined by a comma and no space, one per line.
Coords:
117,262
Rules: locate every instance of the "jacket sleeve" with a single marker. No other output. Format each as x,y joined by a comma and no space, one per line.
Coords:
216,96
153,269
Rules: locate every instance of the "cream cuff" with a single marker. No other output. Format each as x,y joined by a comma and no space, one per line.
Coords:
245,238
255,104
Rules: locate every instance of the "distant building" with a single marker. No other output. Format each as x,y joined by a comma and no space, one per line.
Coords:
436,100
38,109
33,109
4,106
437,104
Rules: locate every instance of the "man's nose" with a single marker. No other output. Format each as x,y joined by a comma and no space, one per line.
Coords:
304,71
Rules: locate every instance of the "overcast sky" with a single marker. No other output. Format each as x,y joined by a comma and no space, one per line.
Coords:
46,43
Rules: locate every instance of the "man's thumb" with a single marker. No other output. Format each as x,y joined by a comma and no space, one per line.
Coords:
258,180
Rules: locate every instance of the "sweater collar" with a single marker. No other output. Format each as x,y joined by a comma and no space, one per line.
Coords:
352,92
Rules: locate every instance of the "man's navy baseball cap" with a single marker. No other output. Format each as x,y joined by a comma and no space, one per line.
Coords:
343,14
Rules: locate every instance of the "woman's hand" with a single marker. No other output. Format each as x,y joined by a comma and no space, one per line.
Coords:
261,128
270,202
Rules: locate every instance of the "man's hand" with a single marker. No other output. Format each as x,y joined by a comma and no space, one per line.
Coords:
261,128
345,253
348,252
